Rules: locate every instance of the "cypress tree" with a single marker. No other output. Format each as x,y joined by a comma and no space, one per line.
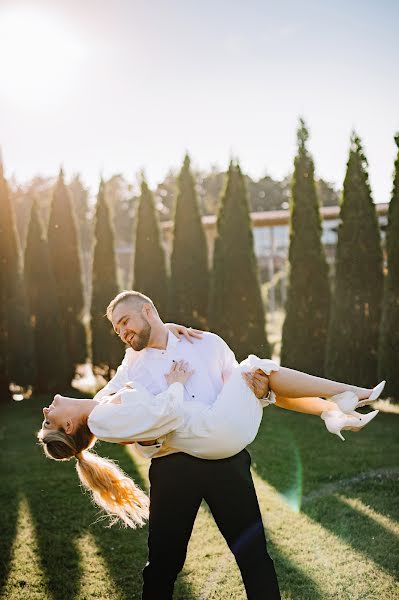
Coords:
304,334
16,360
235,309
52,368
189,262
149,272
64,250
388,367
356,308
80,202
107,349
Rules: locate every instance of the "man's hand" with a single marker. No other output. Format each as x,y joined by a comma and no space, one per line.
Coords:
188,332
258,382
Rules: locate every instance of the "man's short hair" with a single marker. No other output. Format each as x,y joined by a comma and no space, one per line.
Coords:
135,299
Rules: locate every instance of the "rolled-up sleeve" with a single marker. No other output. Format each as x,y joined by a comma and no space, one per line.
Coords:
140,416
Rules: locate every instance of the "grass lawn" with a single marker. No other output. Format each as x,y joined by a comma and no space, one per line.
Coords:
330,509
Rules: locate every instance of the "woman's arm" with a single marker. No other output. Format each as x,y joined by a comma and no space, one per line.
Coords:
135,414
308,405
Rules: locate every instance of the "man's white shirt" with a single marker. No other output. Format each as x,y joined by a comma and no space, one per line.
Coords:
210,358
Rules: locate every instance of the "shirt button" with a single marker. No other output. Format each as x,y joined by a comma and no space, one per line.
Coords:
193,396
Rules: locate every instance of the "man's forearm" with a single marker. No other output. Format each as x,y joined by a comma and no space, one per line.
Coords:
114,385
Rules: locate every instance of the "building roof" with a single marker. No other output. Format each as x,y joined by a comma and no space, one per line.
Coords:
278,217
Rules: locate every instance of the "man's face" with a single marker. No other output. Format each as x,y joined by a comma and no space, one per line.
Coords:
131,326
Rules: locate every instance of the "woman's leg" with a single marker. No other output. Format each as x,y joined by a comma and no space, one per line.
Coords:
308,405
289,383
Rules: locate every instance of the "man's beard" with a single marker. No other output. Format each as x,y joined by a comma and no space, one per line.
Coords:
141,339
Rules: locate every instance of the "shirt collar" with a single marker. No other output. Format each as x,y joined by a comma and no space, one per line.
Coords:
172,341
160,353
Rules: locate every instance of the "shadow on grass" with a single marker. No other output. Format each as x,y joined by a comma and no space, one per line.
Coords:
9,503
291,452
294,453
293,580
357,530
124,550
380,494
61,513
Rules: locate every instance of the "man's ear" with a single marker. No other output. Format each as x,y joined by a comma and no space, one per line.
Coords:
146,311
69,427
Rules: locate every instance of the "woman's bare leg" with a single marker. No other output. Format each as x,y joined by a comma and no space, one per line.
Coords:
289,383
308,405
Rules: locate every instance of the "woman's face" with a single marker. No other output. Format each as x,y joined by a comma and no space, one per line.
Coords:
58,414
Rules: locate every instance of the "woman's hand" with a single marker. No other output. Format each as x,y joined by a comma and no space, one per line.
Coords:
179,372
188,332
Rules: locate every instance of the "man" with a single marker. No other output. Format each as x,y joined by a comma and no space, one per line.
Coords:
178,481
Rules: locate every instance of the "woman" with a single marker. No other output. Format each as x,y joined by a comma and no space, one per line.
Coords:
72,426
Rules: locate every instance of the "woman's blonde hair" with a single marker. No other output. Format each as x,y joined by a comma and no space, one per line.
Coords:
111,489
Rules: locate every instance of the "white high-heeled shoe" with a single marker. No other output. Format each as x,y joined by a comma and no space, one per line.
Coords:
347,418
375,394
337,421
348,401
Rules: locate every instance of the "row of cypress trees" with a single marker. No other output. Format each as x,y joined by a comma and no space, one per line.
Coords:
336,336
42,333
52,340
194,294
350,333
53,284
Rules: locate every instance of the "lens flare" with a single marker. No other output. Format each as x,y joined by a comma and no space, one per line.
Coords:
292,495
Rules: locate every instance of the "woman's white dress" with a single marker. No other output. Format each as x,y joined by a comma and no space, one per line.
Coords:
210,432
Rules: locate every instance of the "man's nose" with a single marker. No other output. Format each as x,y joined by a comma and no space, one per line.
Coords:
45,411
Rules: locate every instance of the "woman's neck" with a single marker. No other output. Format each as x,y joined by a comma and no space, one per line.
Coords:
80,409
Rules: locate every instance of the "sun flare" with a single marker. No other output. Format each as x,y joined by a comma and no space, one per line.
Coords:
39,57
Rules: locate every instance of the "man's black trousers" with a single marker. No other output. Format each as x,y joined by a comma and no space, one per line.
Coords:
178,484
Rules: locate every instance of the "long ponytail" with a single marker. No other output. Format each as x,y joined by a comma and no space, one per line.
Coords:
111,489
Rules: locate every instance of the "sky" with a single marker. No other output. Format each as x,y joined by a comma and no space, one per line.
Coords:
105,87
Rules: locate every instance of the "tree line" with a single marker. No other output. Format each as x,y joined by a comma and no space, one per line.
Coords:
123,197
343,327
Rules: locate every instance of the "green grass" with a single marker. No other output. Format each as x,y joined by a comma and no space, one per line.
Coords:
330,511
